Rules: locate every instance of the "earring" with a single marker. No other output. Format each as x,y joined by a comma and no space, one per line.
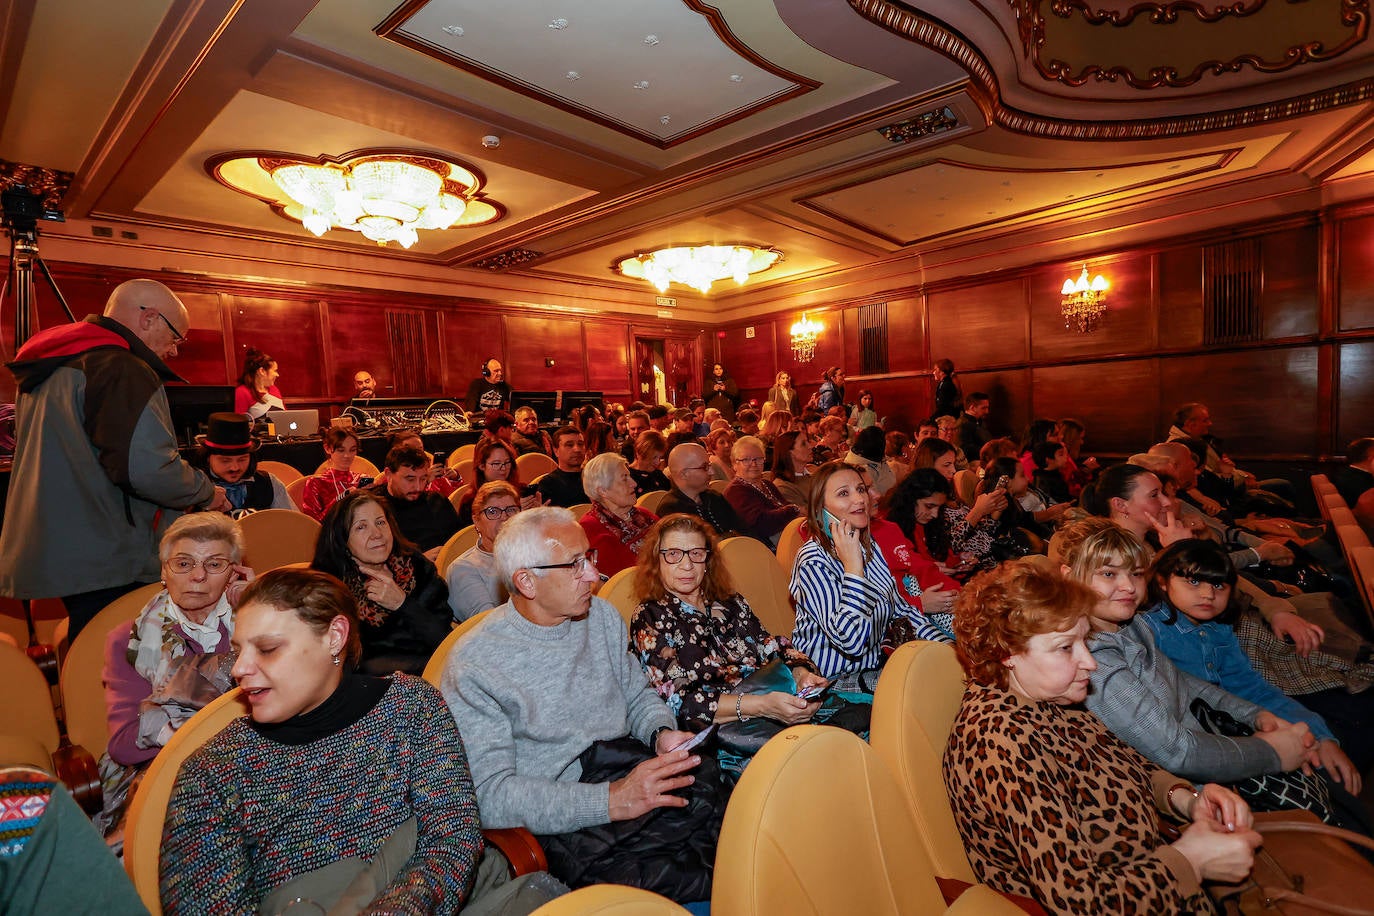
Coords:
337,663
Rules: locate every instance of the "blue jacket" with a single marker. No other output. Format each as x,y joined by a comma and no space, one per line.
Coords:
1210,651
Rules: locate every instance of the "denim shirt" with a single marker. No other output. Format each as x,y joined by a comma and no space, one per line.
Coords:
1211,652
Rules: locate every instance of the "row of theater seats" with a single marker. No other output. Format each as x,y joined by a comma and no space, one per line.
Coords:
1355,544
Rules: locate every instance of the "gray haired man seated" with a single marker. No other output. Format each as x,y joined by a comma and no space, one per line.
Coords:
540,688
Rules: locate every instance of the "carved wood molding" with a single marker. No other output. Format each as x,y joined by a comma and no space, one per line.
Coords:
907,23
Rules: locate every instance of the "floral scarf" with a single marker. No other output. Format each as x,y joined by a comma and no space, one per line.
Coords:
629,532
402,570
155,645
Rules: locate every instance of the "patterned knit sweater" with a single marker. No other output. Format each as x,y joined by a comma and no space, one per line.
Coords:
249,814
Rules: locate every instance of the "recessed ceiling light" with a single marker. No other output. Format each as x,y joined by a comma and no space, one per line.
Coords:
642,84
574,75
558,25
651,40
455,30
736,78
664,120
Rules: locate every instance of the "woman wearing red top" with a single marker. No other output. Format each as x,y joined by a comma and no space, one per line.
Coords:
615,526
257,392
329,486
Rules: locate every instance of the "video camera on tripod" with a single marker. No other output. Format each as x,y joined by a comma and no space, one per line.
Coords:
21,209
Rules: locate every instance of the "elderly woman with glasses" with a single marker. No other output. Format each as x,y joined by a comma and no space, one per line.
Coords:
173,658
697,637
615,526
760,506
473,585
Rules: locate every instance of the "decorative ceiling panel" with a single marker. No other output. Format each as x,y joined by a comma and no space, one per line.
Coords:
662,71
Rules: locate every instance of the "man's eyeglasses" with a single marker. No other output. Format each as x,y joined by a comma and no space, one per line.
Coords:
183,565
674,555
578,565
698,467
177,337
495,512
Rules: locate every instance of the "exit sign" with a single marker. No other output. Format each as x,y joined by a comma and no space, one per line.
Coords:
666,302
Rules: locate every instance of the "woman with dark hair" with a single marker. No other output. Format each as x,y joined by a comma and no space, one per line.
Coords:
1089,842
721,392
1134,498
972,534
600,437
949,397
832,389
651,455
864,414
372,767
329,486
783,396
792,467
697,638
845,595
914,507
257,392
401,599
868,452
1039,431
492,460
964,531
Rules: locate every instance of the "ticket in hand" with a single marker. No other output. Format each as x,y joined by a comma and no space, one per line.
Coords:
810,692
695,739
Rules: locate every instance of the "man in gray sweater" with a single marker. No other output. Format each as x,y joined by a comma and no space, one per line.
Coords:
545,675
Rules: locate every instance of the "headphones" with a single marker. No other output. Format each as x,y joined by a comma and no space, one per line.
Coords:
486,367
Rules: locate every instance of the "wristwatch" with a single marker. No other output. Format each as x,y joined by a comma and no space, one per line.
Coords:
653,738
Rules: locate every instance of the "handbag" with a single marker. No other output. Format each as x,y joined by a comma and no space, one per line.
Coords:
1272,791
1304,868
843,710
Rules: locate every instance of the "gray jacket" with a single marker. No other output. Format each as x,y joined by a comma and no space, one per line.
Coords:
1139,694
97,477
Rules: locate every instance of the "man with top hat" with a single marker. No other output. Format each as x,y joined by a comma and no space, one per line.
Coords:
227,452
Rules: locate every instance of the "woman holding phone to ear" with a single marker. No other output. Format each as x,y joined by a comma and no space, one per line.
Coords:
846,598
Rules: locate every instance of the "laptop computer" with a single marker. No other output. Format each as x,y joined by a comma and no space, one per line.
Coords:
295,424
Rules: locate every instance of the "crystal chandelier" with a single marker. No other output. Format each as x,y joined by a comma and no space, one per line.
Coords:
384,196
804,336
1082,301
698,266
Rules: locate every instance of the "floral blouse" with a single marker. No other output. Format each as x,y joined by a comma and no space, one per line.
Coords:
693,656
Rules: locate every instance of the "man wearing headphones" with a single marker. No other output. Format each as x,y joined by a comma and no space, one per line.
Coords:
490,392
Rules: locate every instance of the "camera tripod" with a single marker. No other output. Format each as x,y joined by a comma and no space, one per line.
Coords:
23,258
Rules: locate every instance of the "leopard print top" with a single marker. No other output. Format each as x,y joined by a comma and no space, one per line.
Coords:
1051,805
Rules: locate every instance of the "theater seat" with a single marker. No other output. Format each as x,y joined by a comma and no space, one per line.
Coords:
282,471
790,544
535,465
610,900
619,590
434,668
360,466
759,578
649,501
296,490
455,547
818,826
276,537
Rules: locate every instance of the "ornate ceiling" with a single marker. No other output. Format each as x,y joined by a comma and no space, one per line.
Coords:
859,138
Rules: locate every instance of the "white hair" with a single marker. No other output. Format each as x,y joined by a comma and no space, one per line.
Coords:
744,442
599,474
525,541
203,528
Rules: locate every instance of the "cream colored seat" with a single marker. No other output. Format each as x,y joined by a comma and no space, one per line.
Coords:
83,688
465,474
534,465
276,537
455,547
849,847
580,509
965,485
759,578
361,466
719,486
296,490
619,591
434,668
649,501
461,453
914,707
29,733
790,543
610,900
458,495
281,470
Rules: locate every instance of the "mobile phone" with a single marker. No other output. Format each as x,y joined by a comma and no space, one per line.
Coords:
1002,482
366,481
695,739
827,519
439,458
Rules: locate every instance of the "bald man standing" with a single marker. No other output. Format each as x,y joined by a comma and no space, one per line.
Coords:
97,477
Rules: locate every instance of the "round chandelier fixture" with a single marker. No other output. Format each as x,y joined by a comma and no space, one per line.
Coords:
386,196
698,266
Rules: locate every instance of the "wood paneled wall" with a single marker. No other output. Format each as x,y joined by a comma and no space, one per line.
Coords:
1301,391
320,338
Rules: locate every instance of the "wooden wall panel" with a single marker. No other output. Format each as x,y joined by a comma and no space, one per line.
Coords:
900,400
1262,401
1126,327
470,337
982,325
1009,398
530,341
1116,401
202,359
1180,297
906,336
608,360
85,295
749,361
1288,298
287,330
1355,252
1354,394
358,336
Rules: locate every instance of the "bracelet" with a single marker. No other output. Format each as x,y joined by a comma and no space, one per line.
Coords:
739,708
1186,787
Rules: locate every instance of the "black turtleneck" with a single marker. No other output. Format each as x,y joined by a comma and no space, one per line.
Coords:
354,698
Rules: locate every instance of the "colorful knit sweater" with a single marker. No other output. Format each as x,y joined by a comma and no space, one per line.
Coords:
249,814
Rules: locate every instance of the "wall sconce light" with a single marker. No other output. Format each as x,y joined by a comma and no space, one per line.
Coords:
1083,301
804,336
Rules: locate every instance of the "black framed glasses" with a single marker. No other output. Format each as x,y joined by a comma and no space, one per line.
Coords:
495,512
674,555
578,565
177,336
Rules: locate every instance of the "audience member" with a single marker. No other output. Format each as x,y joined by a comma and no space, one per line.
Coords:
442,480
498,426
913,506
257,392
489,391
831,393
1077,470
651,454
494,460
227,453
424,518
774,425
690,471
473,583
1049,458
87,497
748,422
1039,431
831,437
1195,420
970,432
897,448
863,415
792,467
929,429
538,732
659,418
949,397
1002,447
762,510
718,444
329,486
868,452
528,437
1356,480
172,659
402,601
364,385
721,392
563,485
782,395
615,526
684,422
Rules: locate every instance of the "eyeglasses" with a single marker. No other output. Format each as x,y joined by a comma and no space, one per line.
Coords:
698,467
495,512
177,336
758,460
499,465
674,555
183,565
578,565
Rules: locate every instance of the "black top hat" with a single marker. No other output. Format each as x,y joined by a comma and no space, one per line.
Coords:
229,434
